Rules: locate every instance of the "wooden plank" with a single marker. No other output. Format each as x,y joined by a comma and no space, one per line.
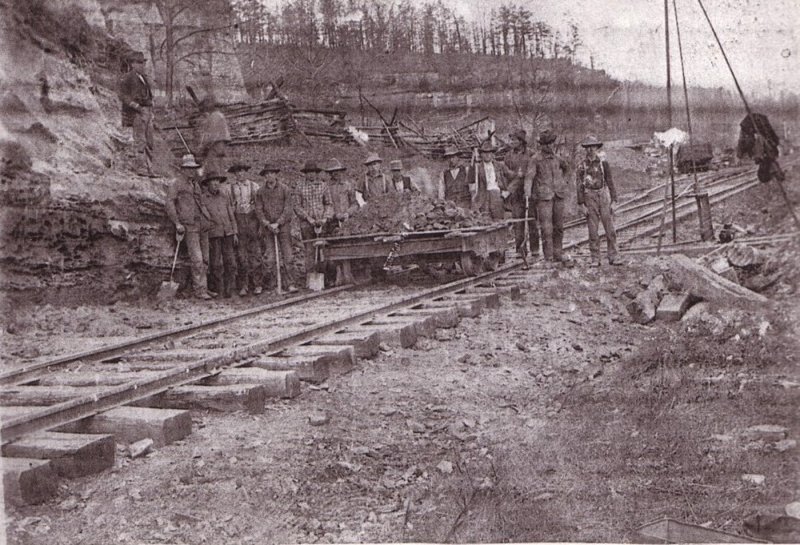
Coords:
442,317
341,358
283,384
131,424
308,369
43,395
72,455
28,481
365,345
239,397
404,336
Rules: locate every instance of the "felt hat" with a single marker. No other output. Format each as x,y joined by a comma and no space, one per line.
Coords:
334,165
373,158
520,135
546,137
397,164
188,161
450,152
487,147
591,142
238,167
136,56
310,166
269,167
214,175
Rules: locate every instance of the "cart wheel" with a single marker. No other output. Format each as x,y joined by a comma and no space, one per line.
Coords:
468,264
492,262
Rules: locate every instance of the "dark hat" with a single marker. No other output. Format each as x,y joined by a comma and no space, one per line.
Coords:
136,56
208,103
591,142
334,166
487,147
214,175
269,167
450,152
238,167
520,135
310,166
547,136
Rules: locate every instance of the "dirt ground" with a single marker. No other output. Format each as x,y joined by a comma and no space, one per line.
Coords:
551,419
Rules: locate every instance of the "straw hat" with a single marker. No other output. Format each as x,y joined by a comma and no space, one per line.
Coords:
591,142
188,161
373,158
397,164
335,165
450,152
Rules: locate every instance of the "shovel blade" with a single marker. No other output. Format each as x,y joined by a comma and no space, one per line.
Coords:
167,290
315,281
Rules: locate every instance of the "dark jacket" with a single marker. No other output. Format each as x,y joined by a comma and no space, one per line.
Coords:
550,178
343,198
512,165
134,90
185,205
223,218
456,188
274,205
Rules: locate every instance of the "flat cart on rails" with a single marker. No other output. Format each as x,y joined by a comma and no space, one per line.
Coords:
476,249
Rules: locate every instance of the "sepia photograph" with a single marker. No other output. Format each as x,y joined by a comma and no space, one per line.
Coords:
399,271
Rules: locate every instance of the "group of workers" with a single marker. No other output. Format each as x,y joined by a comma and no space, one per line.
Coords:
534,187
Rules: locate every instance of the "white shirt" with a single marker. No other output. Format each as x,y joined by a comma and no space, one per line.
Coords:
491,177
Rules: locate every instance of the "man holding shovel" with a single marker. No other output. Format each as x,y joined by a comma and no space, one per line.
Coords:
343,200
186,209
274,210
314,207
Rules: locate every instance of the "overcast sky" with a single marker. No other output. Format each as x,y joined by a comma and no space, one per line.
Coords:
626,38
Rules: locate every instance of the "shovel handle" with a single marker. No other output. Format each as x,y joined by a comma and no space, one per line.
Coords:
179,238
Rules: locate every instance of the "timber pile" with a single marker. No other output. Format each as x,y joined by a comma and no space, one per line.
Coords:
399,212
432,144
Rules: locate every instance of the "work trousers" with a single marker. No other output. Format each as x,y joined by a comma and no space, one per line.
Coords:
223,264
249,259
491,203
307,233
551,221
197,247
518,212
285,250
598,208
143,140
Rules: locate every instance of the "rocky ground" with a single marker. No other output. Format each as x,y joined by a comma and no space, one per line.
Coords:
553,418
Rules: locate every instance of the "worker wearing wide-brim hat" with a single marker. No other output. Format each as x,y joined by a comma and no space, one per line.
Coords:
243,189
186,208
313,207
596,197
214,134
487,183
275,210
374,183
399,182
345,204
548,185
136,97
516,165
453,184
223,236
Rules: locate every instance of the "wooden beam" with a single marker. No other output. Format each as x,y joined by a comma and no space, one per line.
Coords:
72,455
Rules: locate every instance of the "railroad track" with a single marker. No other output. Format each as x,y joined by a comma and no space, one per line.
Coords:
63,416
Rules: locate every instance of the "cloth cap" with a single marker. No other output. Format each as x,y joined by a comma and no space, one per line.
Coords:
397,164
373,158
214,175
310,166
591,142
188,161
450,152
547,137
269,167
334,165
520,135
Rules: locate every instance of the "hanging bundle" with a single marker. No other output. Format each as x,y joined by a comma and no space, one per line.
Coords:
757,139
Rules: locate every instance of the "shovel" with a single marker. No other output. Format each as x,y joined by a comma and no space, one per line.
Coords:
315,280
169,289
278,263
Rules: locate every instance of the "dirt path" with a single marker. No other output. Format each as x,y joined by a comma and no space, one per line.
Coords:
540,421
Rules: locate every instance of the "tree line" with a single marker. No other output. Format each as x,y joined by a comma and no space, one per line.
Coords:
405,26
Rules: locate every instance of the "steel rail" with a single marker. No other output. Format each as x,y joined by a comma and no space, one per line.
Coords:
35,370
90,405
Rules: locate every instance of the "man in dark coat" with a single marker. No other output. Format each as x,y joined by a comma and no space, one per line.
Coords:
275,210
400,183
515,168
453,186
136,96
224,234
487,184
549,189
214,135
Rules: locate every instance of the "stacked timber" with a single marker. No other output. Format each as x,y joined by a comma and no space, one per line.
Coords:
430,144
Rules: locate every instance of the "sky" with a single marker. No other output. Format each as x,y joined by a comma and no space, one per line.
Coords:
626,38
